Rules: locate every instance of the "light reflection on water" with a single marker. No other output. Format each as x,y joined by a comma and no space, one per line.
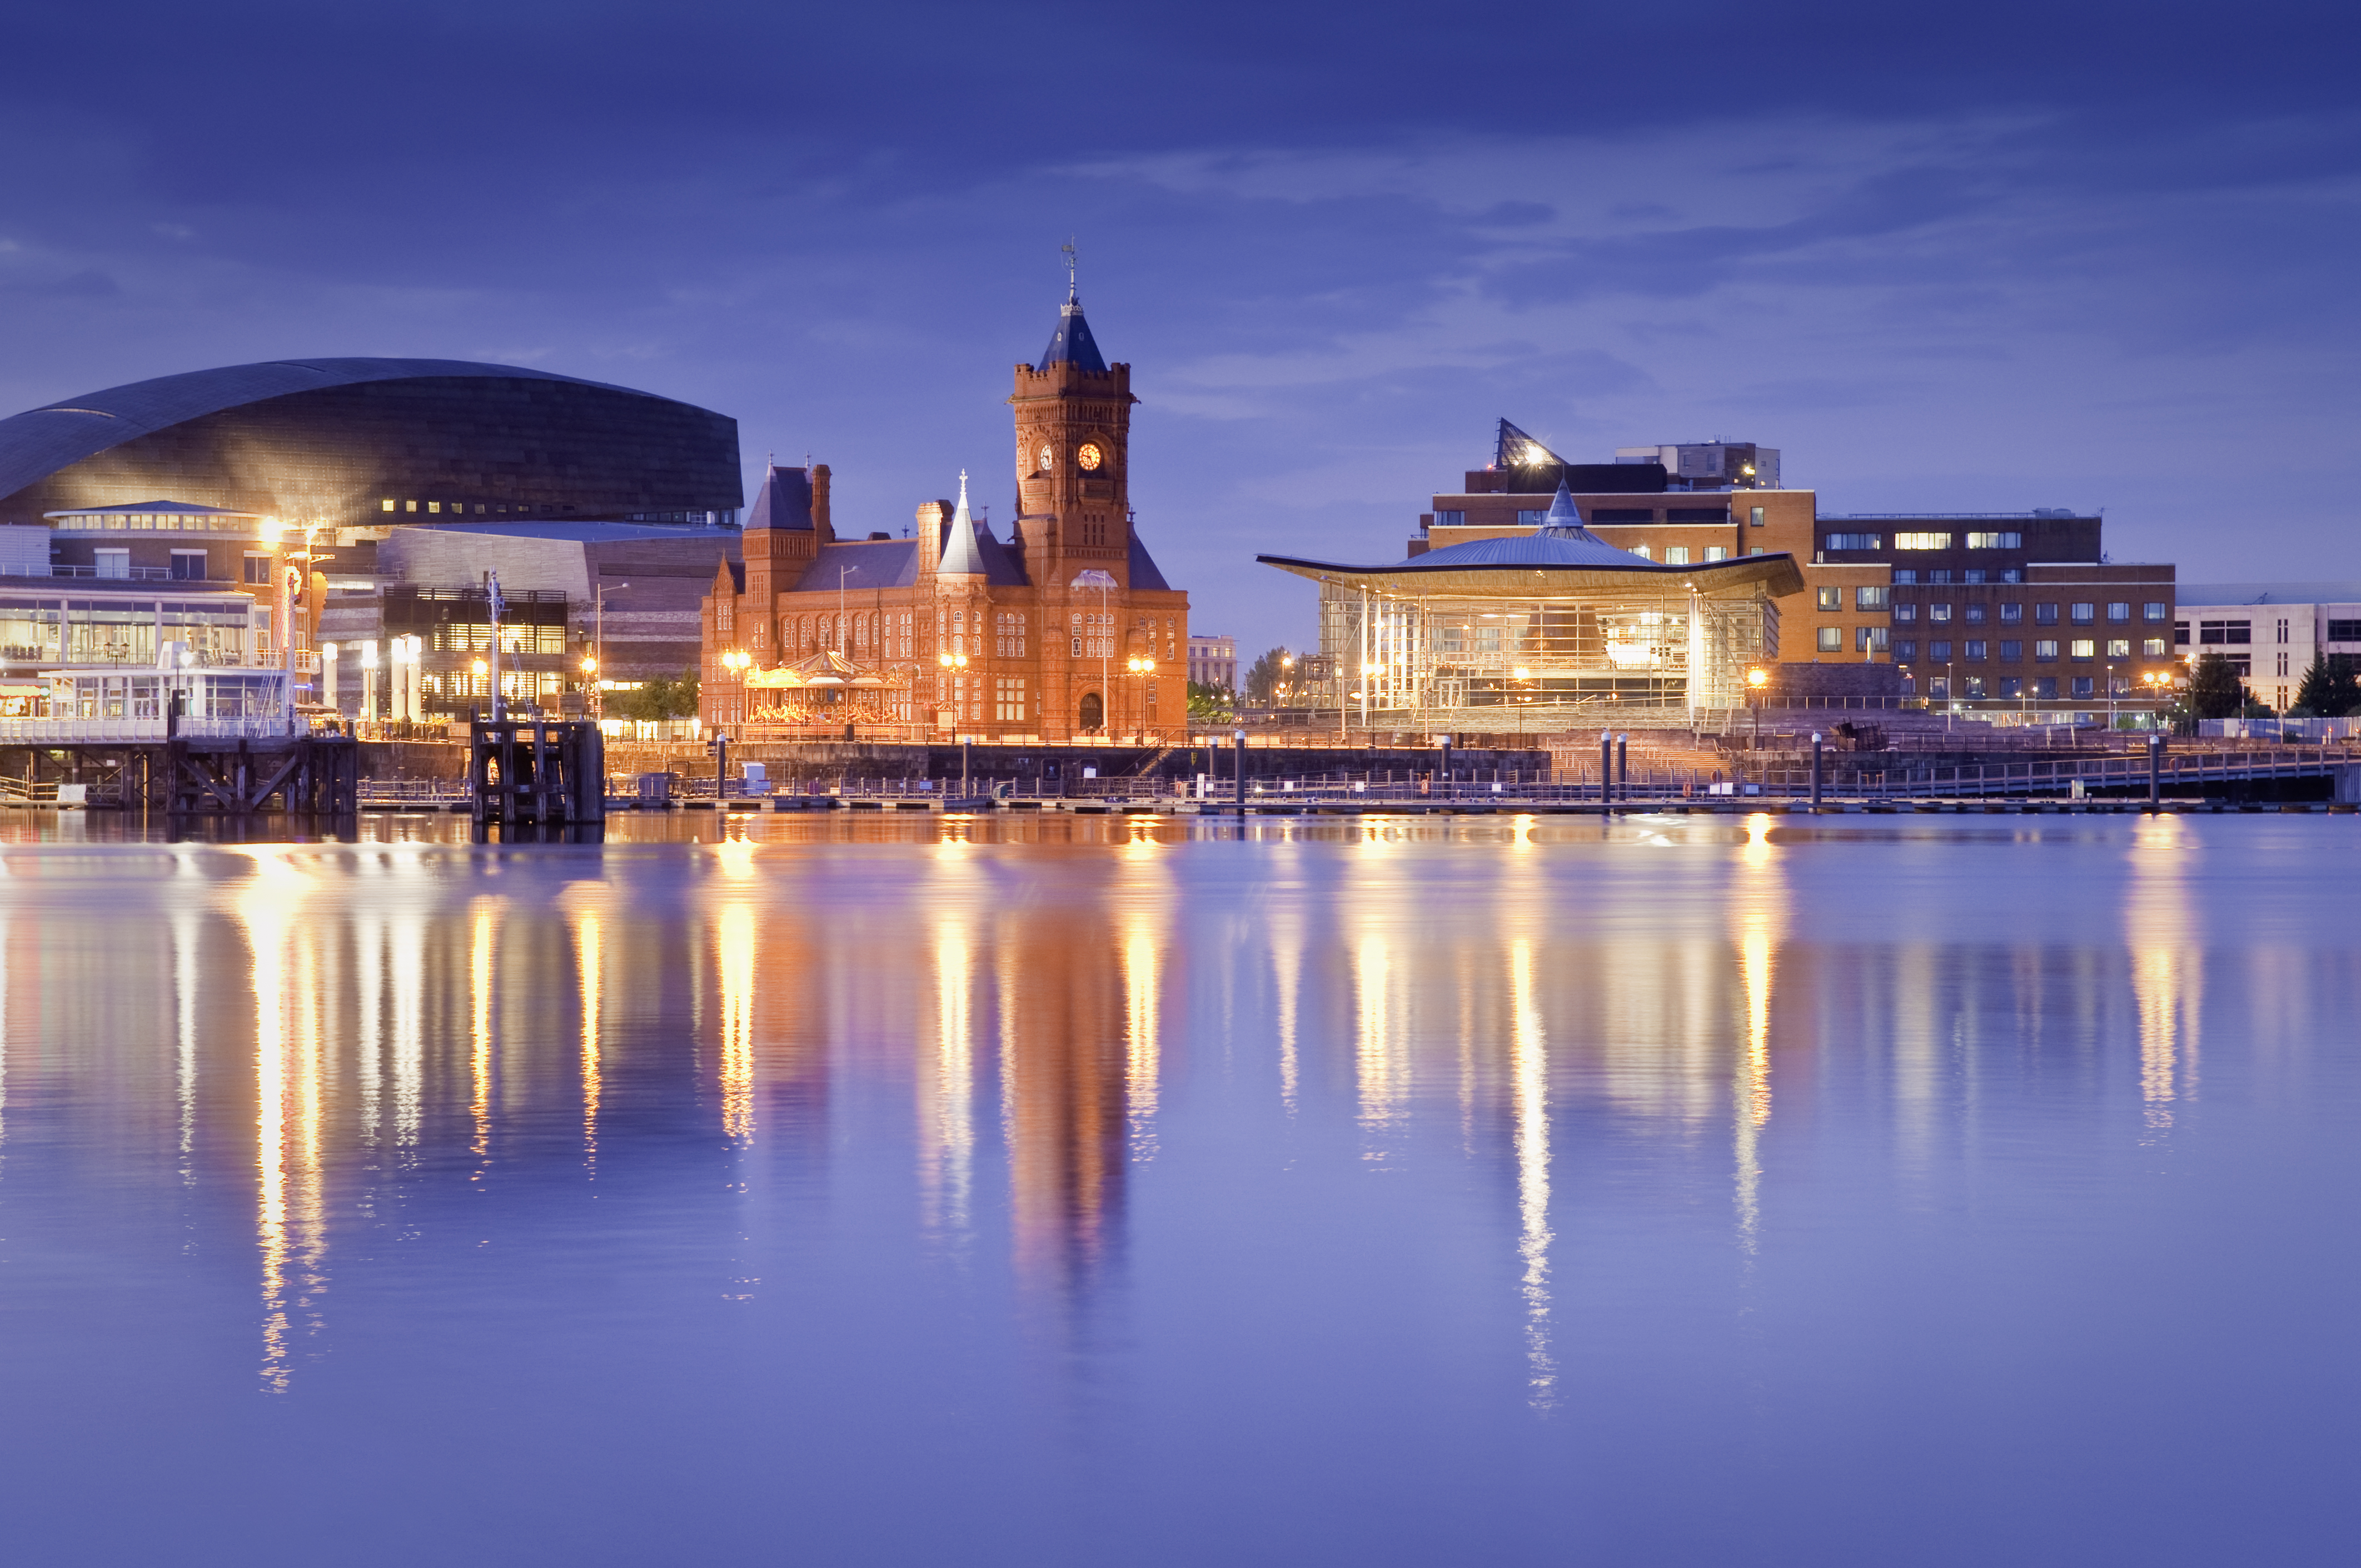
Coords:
1388,1190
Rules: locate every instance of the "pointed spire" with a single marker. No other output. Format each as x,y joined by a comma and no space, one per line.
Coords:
962,545
1072,344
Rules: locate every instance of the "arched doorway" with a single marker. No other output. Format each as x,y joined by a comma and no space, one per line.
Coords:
1094,711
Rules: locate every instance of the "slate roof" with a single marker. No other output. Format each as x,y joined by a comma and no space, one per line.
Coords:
1145,575
874,562
1072,344
785,500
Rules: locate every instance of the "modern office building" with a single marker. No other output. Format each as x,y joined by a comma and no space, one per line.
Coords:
2270,632
1213,662
587,603
2019,610
1063,630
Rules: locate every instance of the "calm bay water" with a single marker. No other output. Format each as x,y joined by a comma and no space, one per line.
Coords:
1690,1190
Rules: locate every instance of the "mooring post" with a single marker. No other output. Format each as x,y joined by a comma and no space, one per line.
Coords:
2155,770
1622,768
967,749
1241,736
1816,770
1606,766
1446,767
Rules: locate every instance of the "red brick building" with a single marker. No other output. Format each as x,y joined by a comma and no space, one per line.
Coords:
1065,630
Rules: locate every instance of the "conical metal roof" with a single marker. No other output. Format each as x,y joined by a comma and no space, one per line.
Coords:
1072,344
964,551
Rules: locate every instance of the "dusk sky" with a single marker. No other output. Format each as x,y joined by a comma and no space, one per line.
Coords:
1980,258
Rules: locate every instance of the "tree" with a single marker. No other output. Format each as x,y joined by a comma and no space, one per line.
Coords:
658,699
1269,673
2330,689
2213,688
1209,703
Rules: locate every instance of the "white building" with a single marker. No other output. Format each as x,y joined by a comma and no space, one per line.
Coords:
1213,662
2270,631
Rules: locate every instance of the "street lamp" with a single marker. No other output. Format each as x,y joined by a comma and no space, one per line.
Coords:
479,668
1142,668
953,663
598,646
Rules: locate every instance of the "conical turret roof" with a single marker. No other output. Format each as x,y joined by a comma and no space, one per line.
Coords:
963,550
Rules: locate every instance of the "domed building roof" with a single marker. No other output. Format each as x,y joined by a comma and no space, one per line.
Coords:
325,433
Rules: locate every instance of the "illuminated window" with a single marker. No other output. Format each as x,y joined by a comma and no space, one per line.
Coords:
2045,652
1991,541
412,505
1756,519
1831,639
387,504
2083,648
2119,648
1921,542
2153,647
1939,612
1677,554
1868,598
2153,610
1869,640
1641,551
2083,614
1716,552
1831,598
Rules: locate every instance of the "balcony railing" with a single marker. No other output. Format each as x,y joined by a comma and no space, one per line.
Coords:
40,731
130,573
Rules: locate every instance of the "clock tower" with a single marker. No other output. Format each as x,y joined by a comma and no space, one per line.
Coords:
1073,434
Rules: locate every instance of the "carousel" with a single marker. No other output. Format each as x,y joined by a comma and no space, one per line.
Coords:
825,691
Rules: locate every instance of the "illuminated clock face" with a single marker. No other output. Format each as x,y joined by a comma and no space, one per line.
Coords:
1049,459
1090,456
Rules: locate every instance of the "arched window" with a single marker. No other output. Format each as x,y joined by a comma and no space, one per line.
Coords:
1094,711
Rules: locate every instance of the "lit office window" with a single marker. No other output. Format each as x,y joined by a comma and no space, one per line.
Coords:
2084,648
1831,639
1920,541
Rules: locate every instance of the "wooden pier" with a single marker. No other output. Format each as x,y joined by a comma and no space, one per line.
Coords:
536,773
185,775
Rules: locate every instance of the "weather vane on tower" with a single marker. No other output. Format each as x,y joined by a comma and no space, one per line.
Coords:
1071,296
